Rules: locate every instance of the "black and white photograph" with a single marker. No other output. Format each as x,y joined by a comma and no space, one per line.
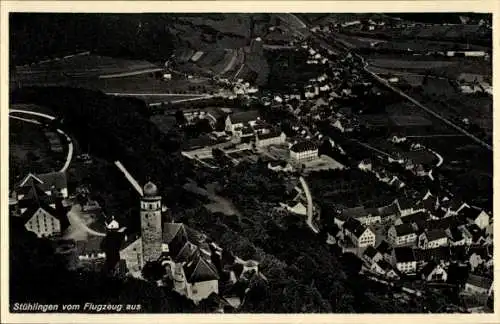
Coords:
250,163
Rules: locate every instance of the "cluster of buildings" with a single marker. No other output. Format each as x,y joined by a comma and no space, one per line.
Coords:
423,239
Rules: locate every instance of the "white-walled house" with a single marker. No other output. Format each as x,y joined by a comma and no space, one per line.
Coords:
402,235
433,238
360,235
304,151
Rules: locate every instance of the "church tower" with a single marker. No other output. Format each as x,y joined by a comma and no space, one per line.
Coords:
151,228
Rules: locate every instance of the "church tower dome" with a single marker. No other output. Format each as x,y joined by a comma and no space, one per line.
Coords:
150,189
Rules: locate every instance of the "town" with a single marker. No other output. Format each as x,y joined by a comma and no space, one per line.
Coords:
297,163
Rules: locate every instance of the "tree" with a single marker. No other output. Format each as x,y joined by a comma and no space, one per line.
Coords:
153,271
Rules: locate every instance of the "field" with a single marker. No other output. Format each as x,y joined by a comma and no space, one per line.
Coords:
83,66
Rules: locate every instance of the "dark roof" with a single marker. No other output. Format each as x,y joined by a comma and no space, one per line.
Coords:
455,234
33,195
444,223
370,252
386,266
171,230
247,131
404,229
436,234
475,231
46,180
404,254
437,254
384,247
244,117
355,212
429,203
406,203
471,213
199,269
417,218
304,146
479,281
272,134
389,210
428,268
354,226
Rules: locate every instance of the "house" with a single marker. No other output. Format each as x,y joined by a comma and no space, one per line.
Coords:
418,219
271,138
477,216
51,183
472,233
455,237
403,258
478,285
304,151
406,206
404,234
371,255
440,255
363,215
388,269
280,166
433,238
360,235
385,249
238,120
389,213
433,271
456,207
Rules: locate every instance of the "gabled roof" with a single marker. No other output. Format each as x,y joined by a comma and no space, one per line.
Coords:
384,247
370,252
428,268
355,227
33,194
386,266
199,270
406,203
45,180
430,203
171,230
404,254
436,234
404,229
244,117
479,281
417,218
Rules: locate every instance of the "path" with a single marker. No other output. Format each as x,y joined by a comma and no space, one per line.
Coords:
129,177
69,156
428,110
78,229
309,220
126,74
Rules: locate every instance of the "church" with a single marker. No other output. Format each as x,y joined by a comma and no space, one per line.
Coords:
184,252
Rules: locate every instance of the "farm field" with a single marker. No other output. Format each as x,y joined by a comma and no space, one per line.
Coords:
84,65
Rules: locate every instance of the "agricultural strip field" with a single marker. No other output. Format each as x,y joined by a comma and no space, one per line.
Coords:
84,66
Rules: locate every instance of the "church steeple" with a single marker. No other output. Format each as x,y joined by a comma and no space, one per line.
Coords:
151,230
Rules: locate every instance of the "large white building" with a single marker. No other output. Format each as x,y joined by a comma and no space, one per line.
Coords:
271,138
304,151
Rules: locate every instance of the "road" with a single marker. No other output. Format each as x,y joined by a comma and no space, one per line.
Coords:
428,110
69,156
405,96
309,220
129,177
